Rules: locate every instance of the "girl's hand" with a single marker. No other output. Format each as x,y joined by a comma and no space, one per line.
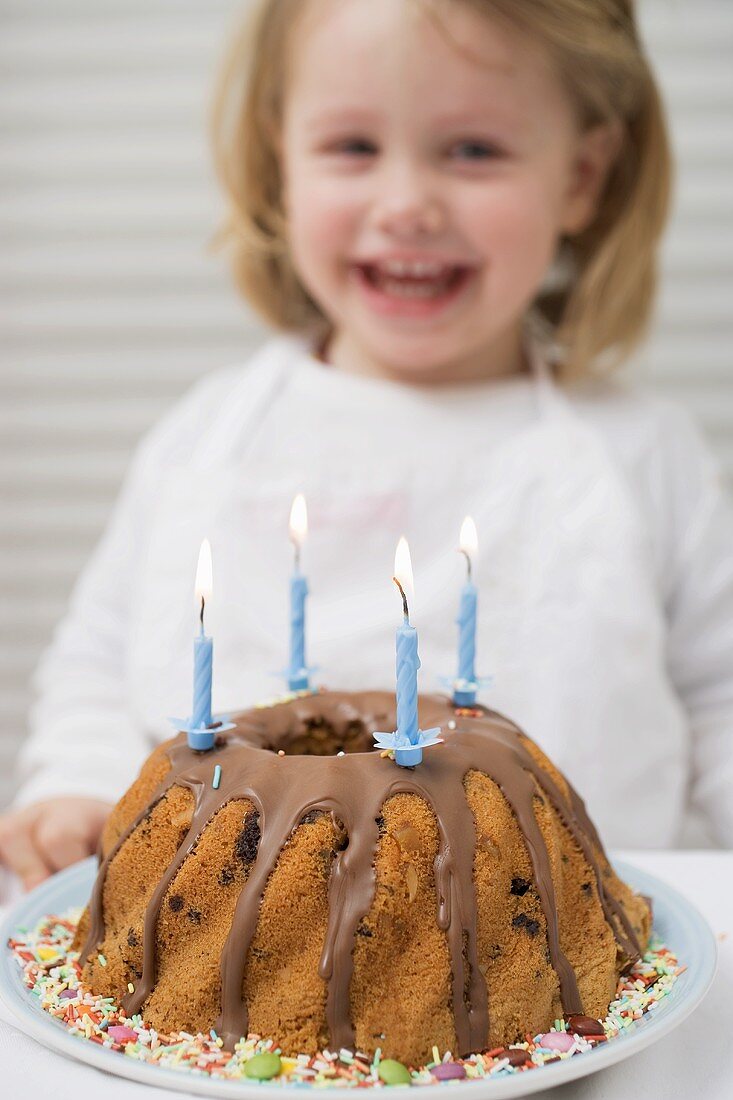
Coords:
47,836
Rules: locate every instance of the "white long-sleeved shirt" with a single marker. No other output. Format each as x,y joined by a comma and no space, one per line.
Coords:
605,576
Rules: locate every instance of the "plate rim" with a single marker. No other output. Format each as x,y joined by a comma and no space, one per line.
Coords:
37,1023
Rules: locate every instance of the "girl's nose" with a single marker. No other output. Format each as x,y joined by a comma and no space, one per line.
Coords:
408,210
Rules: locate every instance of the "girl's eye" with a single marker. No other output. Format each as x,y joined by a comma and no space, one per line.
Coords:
359,146
477,150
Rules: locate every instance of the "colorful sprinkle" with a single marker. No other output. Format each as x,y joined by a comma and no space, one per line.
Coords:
51,970
217,777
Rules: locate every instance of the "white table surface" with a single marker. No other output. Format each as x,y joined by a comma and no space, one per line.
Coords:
662,1070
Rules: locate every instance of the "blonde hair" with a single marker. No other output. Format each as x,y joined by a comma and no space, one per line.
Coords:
600,307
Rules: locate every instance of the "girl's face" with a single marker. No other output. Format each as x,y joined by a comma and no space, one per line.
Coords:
426,182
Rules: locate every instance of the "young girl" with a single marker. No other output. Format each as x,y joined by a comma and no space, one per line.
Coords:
450,210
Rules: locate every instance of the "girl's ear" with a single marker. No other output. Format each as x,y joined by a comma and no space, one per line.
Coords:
595,152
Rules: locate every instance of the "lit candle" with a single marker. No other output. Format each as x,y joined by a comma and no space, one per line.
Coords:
202,727
465,687
200,736
298,679
408,740
408,661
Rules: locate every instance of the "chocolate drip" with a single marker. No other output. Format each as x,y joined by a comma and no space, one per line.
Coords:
284,788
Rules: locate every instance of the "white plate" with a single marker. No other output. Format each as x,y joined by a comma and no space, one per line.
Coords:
676,921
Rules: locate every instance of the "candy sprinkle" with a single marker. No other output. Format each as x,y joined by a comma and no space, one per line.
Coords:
50,969
217,777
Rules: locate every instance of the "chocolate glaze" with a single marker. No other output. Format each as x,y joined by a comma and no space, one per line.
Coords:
283,789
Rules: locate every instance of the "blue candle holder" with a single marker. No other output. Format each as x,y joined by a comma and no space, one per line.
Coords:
408,753
202,738
464,692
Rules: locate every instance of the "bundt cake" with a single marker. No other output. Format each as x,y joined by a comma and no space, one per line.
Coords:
323,896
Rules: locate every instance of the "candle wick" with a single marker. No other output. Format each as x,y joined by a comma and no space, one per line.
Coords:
296,547
405,608
201,615
469,565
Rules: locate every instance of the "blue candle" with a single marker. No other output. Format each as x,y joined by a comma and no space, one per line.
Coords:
199,734
408,740
408,663
298,678
298,673
465,689
201,728
467,632
203,658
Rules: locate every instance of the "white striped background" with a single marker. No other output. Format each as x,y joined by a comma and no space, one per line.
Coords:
111,304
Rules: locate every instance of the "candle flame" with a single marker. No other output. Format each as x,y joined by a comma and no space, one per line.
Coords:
469,538
204,575
298,521
403,567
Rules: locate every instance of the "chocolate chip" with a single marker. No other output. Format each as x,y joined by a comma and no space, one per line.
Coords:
520,886
226,876
539,798
528,923
132,940
380,822
176,903
362,930
194,915
248,841
586,887
564,858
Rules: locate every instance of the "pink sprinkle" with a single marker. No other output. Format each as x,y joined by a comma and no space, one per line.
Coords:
121,1034
553,1040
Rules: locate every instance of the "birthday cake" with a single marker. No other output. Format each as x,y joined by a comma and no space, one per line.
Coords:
294,882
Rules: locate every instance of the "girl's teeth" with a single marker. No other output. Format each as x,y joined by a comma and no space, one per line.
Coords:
411,285
403,288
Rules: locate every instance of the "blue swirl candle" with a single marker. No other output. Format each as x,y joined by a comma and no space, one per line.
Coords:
408,663
406,743
298,678
203,655
465,688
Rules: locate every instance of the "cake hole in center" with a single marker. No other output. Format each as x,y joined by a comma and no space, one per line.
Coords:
316,737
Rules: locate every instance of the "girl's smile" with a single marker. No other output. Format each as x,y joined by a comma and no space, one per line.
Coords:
395,286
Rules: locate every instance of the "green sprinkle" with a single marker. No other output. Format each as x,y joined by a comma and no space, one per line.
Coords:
217,777
263,1066
102,960
394,1073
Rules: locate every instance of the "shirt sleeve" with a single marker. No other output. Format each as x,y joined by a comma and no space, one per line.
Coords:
82,740
699,601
